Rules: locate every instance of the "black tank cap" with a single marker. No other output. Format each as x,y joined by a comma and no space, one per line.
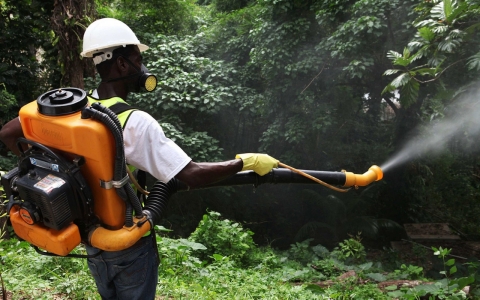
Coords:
63,101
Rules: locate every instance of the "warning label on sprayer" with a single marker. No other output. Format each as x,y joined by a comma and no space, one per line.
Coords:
49,182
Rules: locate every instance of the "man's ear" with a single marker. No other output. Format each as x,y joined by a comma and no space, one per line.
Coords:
122,65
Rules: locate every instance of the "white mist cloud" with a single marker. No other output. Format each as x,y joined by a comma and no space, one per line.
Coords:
464,118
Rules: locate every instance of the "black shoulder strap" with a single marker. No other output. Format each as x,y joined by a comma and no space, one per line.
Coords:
120,107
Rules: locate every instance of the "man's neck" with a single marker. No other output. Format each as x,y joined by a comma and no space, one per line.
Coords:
106,91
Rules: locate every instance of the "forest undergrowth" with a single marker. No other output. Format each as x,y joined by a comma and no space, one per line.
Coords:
220,261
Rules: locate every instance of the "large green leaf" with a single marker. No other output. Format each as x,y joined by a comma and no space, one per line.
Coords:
426,71
401,80
391,72
474,62
447,8
426,33
192,245
409,93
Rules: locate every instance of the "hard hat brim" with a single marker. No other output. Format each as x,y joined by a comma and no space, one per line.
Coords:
90,52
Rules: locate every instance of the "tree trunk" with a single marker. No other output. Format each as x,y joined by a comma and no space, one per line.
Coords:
69,20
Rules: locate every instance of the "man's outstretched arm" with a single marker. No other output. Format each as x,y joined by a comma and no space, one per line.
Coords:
200,174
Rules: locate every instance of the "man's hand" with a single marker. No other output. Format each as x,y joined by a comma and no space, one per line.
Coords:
258,162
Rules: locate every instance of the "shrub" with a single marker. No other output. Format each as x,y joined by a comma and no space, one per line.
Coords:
350,249
223,237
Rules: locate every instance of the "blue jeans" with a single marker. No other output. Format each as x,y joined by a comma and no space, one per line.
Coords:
127,274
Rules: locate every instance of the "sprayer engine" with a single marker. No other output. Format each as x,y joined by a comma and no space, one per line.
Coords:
49,190
48,198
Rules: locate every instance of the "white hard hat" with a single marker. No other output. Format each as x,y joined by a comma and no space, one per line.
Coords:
106,34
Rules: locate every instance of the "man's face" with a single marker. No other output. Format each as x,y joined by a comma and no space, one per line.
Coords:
134,60
139,78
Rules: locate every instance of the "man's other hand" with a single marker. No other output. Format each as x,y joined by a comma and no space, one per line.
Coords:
258,162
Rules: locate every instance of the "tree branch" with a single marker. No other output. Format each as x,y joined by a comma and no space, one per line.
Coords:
439,74
392,105
312,80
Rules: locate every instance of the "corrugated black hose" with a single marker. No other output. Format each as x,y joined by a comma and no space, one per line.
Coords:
157,200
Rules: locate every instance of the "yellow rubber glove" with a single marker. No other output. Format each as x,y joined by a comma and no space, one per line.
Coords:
258,162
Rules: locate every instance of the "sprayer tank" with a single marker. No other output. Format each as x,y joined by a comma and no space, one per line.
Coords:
71,134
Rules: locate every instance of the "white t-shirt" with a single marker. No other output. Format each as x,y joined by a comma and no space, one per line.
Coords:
147,148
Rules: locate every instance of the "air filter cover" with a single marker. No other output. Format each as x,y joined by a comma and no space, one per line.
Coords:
63,101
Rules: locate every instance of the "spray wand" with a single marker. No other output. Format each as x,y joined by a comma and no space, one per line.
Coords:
313,178
374,173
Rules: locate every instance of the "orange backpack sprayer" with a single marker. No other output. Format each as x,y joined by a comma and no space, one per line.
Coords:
71,184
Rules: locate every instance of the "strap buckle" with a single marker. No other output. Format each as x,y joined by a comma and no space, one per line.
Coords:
114,184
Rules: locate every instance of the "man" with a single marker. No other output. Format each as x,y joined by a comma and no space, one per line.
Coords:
133,273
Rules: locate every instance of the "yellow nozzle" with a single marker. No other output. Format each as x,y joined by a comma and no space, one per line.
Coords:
116,240
374,173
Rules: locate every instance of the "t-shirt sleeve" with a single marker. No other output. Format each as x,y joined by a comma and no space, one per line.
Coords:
147,148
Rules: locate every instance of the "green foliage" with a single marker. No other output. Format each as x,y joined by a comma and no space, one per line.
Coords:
327,267
43,277
229,5
221,280
454,285
350,249
474,62
406,82
447,288
223,237
27,60
176,255
419,251
8,162
438,64
8,104
198,145
350,289
183,275
151,16
187,83
408,272
441,31
302,252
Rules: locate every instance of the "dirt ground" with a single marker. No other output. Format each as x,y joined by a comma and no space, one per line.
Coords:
460,249
417,248
428,235
428,229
